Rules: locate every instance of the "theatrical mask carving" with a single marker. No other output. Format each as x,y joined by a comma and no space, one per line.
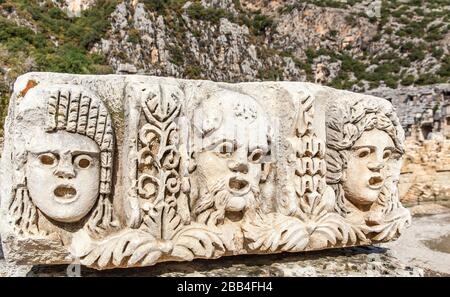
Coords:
364,147
65,161
230,156
366,170
63,173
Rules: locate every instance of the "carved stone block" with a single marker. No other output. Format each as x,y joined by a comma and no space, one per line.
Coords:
125,171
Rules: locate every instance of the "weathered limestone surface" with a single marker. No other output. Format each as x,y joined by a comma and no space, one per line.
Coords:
425,173
357,261
127,171
425,116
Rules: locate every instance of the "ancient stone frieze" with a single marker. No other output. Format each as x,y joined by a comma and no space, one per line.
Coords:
127,171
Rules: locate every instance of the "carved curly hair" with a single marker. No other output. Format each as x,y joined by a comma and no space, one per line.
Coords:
347,120
74,110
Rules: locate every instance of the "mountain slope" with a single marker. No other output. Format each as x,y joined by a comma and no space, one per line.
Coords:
346,44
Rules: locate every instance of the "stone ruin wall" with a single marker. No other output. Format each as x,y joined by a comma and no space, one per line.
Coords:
425,116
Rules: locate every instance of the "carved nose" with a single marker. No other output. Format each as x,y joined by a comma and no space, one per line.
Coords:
375,166
238,166
65,171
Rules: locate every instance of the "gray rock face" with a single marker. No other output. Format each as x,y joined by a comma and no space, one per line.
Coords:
74,7
127,171
252,40
217,41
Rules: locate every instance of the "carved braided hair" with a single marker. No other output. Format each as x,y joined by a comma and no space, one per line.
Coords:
75,111
347,120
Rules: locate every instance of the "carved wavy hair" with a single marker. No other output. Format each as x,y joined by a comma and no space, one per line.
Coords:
84,114
346,122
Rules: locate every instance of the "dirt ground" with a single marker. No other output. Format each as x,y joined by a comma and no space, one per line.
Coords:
425,244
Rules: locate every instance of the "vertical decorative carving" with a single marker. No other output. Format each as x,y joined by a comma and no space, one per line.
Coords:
158,178
161,231
314,224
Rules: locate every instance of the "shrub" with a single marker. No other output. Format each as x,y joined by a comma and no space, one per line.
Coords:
67,58
74,36
437,52
260,23
197,11
407,80
444,70
302,65
134,36
341,81
434,36
414,29
193,72
391,82
163,6
4,92
374,84
286,9
101,69
272,74
176,55
427,79
407,46
351,65
416,54
350,20
388,30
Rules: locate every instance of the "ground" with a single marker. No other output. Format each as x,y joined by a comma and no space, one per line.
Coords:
423,250
425,244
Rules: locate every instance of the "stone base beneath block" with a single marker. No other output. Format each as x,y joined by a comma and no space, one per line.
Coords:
428,209
356,261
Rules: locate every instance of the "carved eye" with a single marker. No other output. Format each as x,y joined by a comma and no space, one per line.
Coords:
48,159
387,154
83,161
225,149
362,153
256,156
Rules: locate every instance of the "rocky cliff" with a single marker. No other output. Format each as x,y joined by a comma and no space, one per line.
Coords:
354,44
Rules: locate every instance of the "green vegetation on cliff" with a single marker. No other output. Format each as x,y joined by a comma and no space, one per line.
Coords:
48,40
407,43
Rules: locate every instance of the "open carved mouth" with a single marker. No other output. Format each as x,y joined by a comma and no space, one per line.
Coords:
65,193
238,185
376,182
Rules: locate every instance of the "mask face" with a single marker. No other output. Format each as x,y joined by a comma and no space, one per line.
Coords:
63,173
235,172
230,155
367,168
